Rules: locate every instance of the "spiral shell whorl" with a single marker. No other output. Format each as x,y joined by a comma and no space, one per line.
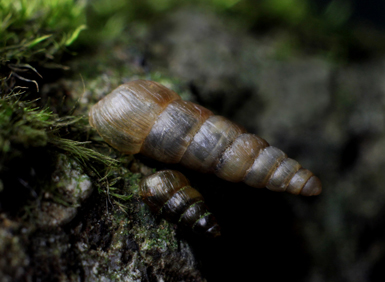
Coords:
144,116
125,118
169,194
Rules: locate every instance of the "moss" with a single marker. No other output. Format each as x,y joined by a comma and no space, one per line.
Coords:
34,35
21,126
160,238
115,226
30,140
37,28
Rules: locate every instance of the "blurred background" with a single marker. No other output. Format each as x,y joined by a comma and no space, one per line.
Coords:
307,76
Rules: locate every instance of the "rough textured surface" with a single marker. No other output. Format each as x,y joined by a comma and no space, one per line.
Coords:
70,186
328,117
118,247
13,259
97,242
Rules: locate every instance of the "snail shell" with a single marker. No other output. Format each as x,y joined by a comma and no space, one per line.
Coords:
169,194
146,117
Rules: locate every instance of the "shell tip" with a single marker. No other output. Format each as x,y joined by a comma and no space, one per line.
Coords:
313,187
213,231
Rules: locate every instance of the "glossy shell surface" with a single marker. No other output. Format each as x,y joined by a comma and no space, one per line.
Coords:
146,117
169,194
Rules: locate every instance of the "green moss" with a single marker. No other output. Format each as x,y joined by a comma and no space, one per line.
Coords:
35,32
36,28
21,124
161,238
30,140
119,184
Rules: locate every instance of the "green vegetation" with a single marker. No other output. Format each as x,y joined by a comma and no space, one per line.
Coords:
119,183
160,238
36,36
41,138
37,33
22,125
29,135
37,30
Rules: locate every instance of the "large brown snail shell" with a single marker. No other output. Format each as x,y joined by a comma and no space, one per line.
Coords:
146,117
169,194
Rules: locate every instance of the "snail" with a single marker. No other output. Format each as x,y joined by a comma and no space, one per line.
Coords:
169,194
146,117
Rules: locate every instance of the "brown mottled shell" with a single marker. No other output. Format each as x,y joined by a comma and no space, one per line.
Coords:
146,117
169,194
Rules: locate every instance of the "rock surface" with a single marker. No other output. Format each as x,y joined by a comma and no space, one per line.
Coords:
329,117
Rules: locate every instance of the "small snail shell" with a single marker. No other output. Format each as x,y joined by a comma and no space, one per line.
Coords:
146,117
169,194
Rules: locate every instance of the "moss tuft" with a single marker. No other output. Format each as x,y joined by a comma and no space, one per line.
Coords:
36,28
36,32
30,141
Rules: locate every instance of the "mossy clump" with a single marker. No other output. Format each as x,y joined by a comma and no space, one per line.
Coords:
30,141
33,35
38,29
